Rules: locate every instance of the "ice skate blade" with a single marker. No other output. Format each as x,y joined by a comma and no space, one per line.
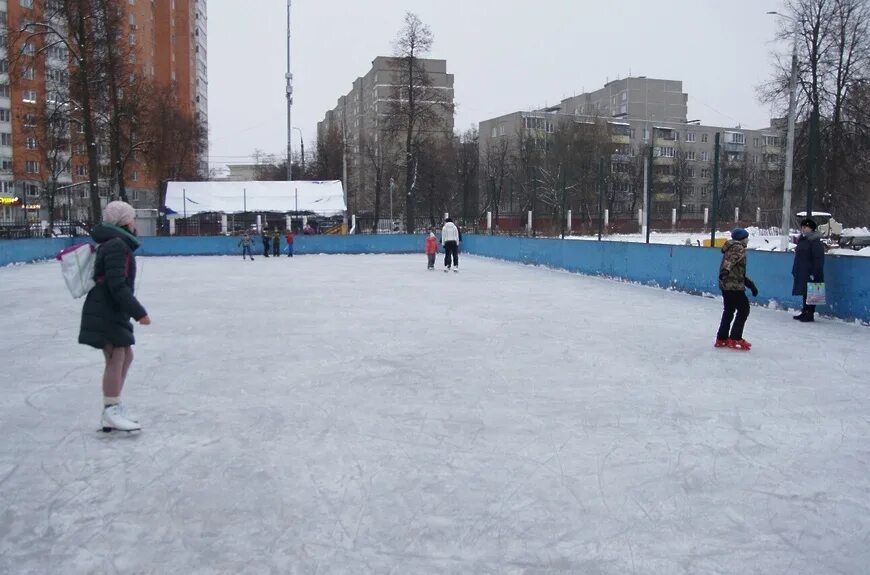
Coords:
105,429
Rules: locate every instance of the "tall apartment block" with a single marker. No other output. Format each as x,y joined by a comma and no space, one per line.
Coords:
360,117
640,113
168,41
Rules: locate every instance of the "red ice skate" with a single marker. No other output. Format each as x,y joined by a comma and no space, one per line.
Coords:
739,344
721,343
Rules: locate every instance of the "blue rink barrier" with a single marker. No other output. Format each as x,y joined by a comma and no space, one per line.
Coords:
682,268
685,268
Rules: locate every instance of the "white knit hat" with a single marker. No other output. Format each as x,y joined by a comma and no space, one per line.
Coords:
118,213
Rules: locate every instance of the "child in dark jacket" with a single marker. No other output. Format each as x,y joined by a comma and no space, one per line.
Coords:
733,282
431,249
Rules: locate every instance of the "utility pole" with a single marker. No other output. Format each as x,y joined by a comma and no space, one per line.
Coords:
789,146
289,78
715,206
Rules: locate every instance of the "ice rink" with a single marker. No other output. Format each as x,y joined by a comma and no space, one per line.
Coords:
358,414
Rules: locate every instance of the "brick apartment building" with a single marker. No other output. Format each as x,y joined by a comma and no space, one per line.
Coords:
168,38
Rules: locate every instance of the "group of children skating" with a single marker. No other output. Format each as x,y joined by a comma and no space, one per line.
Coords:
246,242
451,237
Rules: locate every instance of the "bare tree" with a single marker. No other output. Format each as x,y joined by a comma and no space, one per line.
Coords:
172,139
416,109
834,56
467,164
496,170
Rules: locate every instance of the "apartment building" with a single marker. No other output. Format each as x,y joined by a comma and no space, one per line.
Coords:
640,114
168,41
361,118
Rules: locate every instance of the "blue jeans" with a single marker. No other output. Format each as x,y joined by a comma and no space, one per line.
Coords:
290,250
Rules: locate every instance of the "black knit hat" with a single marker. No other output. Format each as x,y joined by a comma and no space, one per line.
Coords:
809,223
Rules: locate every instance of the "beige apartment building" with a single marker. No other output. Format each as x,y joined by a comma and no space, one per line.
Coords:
370,139
640,113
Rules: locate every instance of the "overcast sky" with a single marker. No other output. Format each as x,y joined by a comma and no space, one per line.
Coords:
505,55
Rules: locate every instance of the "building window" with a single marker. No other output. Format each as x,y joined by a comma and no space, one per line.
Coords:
81,170
4,65
134,195
705,172
32,190
30,143
771,140
703,138
5,165
28,73
705,156
29,97
26,3
690,155
136,176
690,172
31,167
5,139
667,152
690,136
737,138
29,121
4,115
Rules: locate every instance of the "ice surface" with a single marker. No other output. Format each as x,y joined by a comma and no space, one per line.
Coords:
358,414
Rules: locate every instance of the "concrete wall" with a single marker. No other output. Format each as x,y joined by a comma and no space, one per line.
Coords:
689,269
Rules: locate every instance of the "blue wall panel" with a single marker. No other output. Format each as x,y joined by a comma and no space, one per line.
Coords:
685,268
22,251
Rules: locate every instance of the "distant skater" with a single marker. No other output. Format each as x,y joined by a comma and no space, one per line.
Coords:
265,243
247,245
290,238
276,243
450,241
431,249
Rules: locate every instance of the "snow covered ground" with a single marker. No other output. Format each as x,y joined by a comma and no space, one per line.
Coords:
358,414
758,240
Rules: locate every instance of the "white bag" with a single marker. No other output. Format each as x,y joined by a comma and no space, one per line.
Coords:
77,266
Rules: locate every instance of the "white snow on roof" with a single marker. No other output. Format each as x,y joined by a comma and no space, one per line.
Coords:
320,197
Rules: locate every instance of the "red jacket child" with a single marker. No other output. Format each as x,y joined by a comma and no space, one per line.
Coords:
431,245
431,250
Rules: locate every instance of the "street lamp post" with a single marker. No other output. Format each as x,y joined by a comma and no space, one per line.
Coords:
789,146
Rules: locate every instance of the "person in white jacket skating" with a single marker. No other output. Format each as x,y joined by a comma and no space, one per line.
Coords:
450,238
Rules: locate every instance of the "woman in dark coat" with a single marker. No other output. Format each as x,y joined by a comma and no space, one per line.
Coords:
809,266
110,305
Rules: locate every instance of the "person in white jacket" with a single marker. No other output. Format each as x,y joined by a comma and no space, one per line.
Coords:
450,238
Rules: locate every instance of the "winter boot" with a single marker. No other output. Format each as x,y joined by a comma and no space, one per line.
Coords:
114,419
721,343
739,344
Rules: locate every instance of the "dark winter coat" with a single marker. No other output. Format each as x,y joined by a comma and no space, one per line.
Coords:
732,269
110,304
809,263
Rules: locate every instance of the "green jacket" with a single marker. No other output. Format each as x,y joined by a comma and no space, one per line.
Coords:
732,270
